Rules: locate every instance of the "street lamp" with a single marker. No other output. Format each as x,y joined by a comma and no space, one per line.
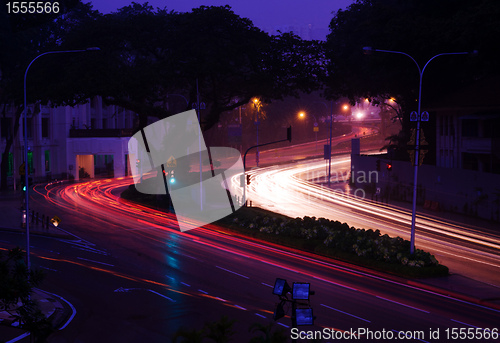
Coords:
28,262
302,115
257,105
369,50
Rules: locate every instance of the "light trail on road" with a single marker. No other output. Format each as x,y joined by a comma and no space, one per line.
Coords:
289,190
241,262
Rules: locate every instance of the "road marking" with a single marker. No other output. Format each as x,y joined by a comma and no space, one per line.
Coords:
395,302
456,321
185,284
240,307
26,334
202,291
126,290
257,314
265,284
73,309
334,283
84,259
283,325
352,315
230,271
48,268
221,299
194,258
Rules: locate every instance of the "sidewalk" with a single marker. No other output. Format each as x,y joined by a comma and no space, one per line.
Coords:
10,216
51,305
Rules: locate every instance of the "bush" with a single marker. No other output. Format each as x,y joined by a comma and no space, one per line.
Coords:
336,236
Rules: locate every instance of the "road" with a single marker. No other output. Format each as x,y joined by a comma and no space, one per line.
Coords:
291,189
132,276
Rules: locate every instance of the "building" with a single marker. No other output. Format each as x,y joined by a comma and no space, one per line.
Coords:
468,128
87,140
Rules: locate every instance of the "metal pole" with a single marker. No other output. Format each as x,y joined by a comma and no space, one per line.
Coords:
26,178
257,152
199,145
330,154
417,138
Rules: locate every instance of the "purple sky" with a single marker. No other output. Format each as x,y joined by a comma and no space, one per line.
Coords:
265,14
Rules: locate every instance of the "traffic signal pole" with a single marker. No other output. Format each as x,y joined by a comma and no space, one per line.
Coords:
288,138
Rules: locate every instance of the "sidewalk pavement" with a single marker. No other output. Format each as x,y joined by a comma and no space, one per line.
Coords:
51,305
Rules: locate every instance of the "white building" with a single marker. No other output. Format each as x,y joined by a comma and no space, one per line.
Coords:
88,140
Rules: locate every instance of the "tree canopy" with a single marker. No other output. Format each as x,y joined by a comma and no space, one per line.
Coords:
147,54
420,28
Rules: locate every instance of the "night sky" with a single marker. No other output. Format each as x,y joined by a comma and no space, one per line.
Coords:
265,14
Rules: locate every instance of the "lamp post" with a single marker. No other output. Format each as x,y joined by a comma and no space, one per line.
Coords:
25,131
368,50
258,105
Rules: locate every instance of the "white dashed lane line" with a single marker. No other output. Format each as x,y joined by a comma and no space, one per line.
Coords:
352,315
230,271
395,302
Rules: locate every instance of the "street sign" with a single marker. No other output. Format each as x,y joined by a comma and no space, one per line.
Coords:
171,162
413,116
55,221
316,129
424,116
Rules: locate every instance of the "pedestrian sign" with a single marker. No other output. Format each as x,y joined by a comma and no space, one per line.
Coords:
55,221
171,162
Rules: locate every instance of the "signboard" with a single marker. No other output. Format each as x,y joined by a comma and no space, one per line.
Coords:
55,221
316,129
413,116
171,162
424,116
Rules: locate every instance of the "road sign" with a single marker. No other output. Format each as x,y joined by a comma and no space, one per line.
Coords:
413,116
424,116
171,162
55,221
316,129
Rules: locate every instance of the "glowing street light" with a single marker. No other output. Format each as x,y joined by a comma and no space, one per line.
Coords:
369,50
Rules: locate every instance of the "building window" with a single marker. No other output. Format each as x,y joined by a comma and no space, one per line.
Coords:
31,169
45,127
6,131
470,128
10,163
29,121
47,160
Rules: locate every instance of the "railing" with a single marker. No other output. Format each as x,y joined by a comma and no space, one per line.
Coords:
90,133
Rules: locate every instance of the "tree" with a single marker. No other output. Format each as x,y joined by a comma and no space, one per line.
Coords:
22,38
147,54
16,285
420,28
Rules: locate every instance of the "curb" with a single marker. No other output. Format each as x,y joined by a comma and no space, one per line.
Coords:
63,312
453,294
36,233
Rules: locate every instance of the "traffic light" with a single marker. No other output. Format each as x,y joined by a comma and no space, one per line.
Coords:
249,179
172,177
378,165
389,166
289,133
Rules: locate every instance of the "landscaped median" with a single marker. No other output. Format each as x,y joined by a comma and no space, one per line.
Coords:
325,237
330,238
